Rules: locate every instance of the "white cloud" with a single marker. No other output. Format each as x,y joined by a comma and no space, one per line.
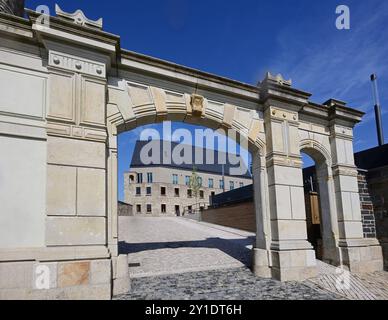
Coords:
336,64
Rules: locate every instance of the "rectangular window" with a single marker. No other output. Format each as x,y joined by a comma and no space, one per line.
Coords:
201,194
139,178
163,208
176,192
174,179
163,191
241,184
200,181
149,208
149,177
138,191
211,183
138,208
222,184
187,180
149,191
231,185
189,193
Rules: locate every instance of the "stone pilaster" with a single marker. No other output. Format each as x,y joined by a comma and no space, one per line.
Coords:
77,197
261,255
329,221
293,257
357,253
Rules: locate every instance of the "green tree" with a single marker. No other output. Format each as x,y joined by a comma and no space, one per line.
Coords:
195,185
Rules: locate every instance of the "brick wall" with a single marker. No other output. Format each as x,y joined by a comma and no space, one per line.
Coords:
378,189
367,213
239,216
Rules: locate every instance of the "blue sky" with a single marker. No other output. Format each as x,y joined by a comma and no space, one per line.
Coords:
244,39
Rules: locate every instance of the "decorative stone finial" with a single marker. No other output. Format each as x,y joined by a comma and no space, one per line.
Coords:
278,79
14,7
78,17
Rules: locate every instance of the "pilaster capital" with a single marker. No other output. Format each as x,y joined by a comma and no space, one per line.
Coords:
279,159
344,170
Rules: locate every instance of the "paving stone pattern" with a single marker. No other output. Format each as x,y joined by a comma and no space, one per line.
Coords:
178,259
225,284
157,246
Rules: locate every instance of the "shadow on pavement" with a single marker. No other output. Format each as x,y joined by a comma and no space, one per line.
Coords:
236,248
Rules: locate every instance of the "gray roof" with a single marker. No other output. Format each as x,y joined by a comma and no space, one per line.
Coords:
215,168
372,158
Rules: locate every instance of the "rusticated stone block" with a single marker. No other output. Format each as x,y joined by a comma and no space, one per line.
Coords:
61,190
72,274
91,192
75,231
100,272
15,275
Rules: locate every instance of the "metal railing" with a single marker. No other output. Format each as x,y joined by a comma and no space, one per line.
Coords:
195,208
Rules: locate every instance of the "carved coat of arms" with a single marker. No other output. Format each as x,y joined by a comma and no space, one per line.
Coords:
197,104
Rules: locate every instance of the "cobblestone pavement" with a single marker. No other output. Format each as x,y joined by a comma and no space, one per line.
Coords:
175,258
158,246
226,284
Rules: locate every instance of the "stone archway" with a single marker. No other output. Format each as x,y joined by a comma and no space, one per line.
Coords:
124,114
329,219
82,89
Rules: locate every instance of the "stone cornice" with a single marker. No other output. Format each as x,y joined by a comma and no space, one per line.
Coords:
69,32
16,25
271,91
133,60
275,90
334,113
339,112
316,110
80,30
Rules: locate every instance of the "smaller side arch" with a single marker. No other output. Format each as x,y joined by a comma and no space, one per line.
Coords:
328,208
317,151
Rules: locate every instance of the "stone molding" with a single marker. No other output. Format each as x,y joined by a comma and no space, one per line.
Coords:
313,144
73,131
344,170
76,64
54,253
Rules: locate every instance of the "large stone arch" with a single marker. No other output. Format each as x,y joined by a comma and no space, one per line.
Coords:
123,114
135,104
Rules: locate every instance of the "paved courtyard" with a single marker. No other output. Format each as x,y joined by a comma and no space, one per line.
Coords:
158,246
176,258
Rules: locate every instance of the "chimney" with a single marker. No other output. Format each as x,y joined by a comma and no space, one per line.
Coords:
379,125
